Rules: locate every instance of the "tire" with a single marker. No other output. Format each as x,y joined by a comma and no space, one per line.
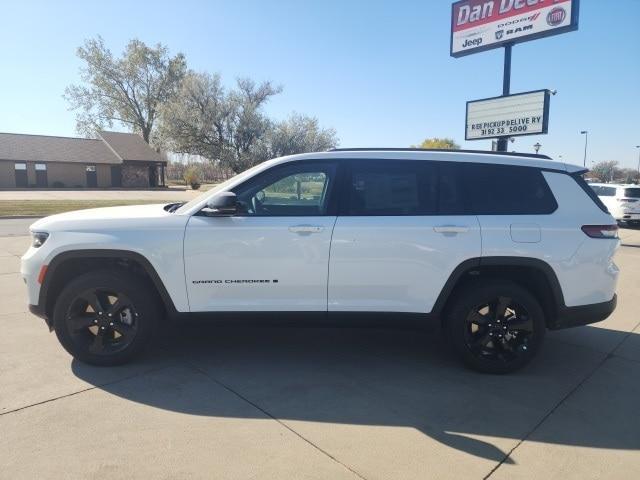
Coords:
126,317
487,341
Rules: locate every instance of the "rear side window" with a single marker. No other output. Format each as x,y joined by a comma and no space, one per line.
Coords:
632,192
591,191
392,188
507,190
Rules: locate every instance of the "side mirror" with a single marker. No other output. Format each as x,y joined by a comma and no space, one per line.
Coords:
224,203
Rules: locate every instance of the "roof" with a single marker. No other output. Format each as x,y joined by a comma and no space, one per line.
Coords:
42,148
414,149
479,156
110,148
130,147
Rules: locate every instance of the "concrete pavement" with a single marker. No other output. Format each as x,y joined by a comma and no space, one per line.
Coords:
251,402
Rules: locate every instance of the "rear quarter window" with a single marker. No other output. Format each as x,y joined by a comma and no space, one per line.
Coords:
508,190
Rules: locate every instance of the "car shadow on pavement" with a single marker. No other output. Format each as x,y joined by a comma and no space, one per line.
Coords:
370,377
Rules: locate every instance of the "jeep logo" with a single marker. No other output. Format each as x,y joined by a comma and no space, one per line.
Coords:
472,43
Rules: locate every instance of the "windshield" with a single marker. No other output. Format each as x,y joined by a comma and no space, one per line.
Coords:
632,192
218,188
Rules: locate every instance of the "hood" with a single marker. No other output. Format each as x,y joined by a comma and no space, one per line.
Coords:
101,218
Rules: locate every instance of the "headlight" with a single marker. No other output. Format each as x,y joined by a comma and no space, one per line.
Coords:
38,239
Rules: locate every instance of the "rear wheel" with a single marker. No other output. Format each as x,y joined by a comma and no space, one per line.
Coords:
495,327
105,318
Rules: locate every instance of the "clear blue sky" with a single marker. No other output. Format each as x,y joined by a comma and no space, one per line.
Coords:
378,72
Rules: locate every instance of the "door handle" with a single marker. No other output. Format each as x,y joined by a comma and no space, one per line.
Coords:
306,228
451,229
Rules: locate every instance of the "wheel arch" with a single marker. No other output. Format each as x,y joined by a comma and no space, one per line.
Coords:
76,261
534,274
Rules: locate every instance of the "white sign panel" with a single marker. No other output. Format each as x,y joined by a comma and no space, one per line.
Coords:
478,25
508,116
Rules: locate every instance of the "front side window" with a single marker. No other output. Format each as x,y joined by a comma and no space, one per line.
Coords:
91,168
392,188
20,166
607,191
301,190
41,167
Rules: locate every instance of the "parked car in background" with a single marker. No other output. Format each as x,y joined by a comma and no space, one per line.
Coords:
622,201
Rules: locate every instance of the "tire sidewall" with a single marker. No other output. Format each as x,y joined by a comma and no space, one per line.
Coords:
474,295
124,282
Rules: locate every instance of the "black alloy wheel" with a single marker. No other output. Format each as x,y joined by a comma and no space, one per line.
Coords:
495,326
499,330
102,321
106,317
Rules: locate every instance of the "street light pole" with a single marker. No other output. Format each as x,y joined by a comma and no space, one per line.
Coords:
638,147
586,139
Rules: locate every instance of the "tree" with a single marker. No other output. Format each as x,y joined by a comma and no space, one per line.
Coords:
229,125
628,175
128,90
299,134
444,143
605,171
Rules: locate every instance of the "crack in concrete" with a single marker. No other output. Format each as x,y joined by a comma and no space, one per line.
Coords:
607,356
269,415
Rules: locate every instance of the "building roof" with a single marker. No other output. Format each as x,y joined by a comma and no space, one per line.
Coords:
130,147
42,148
111,148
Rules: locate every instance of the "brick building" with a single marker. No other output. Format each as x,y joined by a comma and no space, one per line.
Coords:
112,160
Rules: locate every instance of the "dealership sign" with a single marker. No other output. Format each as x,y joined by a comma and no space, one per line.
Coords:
508,116
478,25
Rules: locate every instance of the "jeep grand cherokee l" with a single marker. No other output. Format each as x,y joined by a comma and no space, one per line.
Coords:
497,247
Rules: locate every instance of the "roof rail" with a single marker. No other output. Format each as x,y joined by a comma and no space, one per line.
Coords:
484,152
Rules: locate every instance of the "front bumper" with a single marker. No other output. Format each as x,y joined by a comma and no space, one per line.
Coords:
584,314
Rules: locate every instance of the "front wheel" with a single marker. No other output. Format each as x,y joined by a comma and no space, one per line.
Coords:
105,317
495,326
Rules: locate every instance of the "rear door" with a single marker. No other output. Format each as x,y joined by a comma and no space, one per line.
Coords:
402,230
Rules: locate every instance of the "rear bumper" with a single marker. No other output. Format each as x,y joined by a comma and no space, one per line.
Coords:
584,314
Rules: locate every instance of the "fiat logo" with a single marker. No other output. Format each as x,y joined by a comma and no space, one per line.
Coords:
556,16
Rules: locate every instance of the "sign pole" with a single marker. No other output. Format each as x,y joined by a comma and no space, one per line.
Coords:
506,88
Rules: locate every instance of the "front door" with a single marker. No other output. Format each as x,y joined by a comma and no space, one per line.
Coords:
22,180
116,176
92,177
153,176
402,231
41,175
274,254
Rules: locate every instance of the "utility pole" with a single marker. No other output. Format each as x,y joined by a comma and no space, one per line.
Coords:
506,89
586,139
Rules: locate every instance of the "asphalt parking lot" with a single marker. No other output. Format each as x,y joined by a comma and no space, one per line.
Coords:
256,402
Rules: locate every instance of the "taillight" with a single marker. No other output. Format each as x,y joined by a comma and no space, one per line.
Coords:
601,231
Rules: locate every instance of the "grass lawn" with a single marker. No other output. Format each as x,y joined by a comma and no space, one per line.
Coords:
14,208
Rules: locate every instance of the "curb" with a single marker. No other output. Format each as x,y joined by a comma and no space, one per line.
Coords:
18,217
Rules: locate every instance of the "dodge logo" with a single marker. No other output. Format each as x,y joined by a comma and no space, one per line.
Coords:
499,34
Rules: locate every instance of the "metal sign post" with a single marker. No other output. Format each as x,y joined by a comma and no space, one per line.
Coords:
506,87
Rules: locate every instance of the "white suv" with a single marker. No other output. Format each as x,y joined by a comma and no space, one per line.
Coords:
623,201
497,247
